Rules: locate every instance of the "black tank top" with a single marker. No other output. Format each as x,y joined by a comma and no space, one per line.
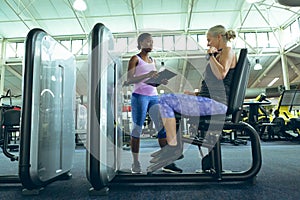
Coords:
215,89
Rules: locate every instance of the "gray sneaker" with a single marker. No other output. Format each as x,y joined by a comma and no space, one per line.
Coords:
158,152
136,168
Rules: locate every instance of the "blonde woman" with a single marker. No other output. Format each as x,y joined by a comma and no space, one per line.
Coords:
213,96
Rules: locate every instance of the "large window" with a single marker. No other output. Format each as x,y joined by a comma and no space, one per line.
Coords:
239,42
168,43
202,41
20,49
180,43
121,45
273,42
85,48
295,29
287,35
262,40
132,44
176,42
157,43
291,33
11,50
66,43
251,39
192,43
77,47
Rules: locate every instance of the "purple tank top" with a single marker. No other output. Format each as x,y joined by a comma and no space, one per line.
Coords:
141,87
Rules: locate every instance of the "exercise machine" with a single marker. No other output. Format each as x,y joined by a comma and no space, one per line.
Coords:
47,141
214,124
288,105
9,133
104,137
258,115
10,125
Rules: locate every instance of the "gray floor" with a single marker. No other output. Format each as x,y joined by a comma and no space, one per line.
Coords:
279,177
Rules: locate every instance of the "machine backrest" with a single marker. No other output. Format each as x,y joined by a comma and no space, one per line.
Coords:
239,84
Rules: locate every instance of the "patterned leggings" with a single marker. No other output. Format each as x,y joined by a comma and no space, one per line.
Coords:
189,105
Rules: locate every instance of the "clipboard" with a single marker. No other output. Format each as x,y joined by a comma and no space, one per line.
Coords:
165,74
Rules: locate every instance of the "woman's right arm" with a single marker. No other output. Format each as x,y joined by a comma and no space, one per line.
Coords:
131,71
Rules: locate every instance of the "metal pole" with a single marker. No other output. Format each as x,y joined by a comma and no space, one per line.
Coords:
285,71
2,66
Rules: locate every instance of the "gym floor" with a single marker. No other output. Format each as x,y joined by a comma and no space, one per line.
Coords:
279,177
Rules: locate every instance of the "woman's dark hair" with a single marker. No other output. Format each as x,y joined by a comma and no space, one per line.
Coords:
141,38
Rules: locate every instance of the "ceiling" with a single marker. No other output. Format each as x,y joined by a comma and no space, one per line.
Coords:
123,17
57,17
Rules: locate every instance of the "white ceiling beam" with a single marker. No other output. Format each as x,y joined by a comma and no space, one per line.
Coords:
31,16
157,55
266,54
290,19
85,20
128,15
132,6
17,14
2,67
296,80
77,18
27,4
294,68
261,14
183,75
189,15
184,68
243,21
291,47
194,12
239,16
14,72
25,8
292,54
252,48
2,73
279,7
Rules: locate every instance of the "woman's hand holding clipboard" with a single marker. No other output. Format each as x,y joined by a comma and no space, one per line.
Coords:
161,78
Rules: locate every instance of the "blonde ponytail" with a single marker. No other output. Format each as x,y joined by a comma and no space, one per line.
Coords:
230,35
219,29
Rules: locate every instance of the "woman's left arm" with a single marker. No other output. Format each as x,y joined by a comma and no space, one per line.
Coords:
221,65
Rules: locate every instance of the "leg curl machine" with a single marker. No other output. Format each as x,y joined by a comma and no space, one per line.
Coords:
210,125
104,137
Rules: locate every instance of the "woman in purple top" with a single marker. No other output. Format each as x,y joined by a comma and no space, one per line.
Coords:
144,99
